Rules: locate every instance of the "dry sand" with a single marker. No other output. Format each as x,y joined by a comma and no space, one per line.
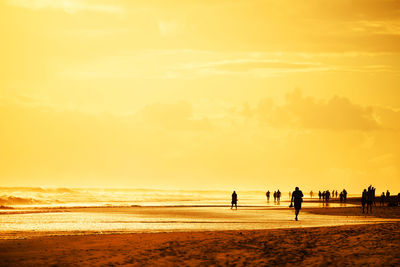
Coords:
368,244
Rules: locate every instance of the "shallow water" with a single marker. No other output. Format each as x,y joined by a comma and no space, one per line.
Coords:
156,219
38,211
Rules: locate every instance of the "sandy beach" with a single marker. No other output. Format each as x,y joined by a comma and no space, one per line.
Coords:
373,244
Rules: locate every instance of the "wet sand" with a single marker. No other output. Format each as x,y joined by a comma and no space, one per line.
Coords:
372,245
376,244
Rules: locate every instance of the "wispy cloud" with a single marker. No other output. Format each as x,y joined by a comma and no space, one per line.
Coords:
68,6
170,28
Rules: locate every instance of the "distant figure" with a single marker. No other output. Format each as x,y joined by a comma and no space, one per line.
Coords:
319,195
327,195
311,193
341,197
336,193
370,198
297,199
278,195
344,195
364,200
234,200
398,199
274,196
382,199
387,195
323,195
267,194
290,194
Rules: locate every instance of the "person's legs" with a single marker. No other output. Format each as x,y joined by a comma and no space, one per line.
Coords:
296,212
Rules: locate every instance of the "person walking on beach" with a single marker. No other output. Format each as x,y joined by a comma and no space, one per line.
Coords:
327,195
382,199
319,195
344,195
234,200
274,196
278,195
387,195
267,194
297,199
364,200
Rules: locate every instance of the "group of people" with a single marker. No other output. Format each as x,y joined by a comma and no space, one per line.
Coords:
326,195
368,198
276,195
296,199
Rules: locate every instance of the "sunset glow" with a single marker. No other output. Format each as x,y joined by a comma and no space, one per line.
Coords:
244,95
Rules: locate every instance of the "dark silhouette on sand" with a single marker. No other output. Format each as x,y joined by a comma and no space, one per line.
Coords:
297,199
234,200
382,199
268,194
364,200
278,196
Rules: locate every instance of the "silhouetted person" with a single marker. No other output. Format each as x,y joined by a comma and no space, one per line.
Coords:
327,195
311,193
364,200
274,196
387,195
370,198
398,199
382,199
341,197
278,195
323,195
267,194
297,199
234,200
344,195
319,195
336,193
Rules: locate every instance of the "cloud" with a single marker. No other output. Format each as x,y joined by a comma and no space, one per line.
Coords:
337,113
170,28
68,6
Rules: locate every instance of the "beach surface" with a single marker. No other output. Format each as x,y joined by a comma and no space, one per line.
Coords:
370,243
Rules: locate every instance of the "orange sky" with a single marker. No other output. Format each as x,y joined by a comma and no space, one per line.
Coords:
200,94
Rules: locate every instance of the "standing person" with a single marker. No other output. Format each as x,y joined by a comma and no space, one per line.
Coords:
268,194
319,195
297,199
364,199
311,193
398,199
341,197
323,195
336,193
234,200
344,195
327,195
274,196
387,195
382,199
278,195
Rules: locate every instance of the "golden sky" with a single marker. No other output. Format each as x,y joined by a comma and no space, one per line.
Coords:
200,94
